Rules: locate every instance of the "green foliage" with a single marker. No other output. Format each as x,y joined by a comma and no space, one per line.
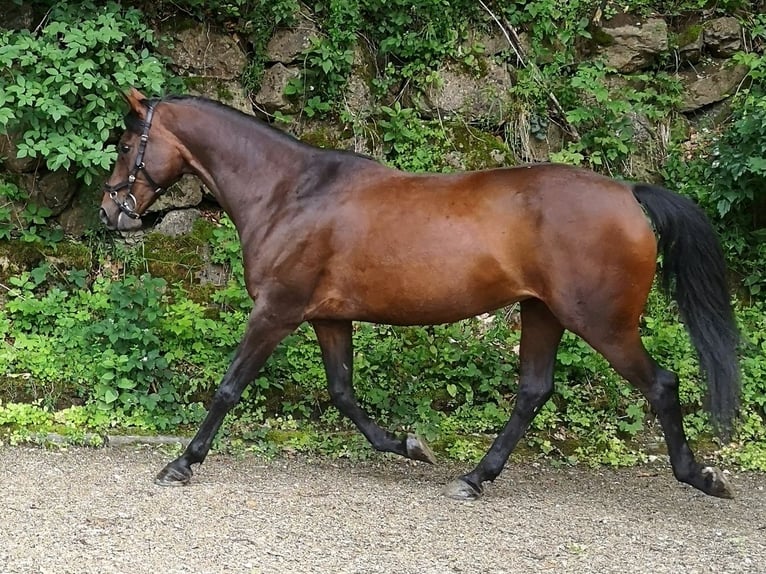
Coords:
38,424
22,219
329,59
60,86
410,143
411,38
414,37
680,7
554,27
740,163
724,170
146,353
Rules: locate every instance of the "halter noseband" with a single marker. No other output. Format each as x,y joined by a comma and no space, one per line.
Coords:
139,166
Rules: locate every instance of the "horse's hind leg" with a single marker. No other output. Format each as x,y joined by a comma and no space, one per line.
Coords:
540,336
626,353
337,355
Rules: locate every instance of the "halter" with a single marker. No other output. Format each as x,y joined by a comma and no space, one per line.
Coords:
139,166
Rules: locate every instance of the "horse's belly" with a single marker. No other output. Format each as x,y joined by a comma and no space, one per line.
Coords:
426,294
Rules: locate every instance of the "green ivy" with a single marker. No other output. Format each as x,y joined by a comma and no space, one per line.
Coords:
61,85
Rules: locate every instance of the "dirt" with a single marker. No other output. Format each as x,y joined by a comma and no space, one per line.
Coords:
85,510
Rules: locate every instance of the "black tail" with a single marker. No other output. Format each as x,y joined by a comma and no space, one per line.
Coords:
693,273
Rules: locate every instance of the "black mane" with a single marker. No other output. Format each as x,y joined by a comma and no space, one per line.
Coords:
136,125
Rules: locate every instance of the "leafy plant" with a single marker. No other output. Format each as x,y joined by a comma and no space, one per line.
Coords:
60,85
409,143
22,219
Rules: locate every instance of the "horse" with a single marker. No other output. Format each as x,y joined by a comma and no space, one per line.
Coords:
330,237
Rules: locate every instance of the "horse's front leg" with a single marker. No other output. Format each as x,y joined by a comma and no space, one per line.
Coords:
337,355
265,330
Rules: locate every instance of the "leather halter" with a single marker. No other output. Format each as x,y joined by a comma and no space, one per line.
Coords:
139,166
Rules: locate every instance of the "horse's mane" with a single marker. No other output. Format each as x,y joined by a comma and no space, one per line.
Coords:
134,124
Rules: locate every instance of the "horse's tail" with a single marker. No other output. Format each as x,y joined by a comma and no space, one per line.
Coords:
693,272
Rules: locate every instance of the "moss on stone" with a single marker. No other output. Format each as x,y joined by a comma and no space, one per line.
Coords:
178,259
214,88
688,35
71,255
600,37
479,149
321,136
17,256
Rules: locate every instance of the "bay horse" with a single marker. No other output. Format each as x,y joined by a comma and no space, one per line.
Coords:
330,237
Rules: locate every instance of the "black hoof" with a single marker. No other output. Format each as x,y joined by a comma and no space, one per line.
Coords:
417,449
173,475
460,489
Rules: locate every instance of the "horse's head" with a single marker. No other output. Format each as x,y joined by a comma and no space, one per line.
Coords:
149,160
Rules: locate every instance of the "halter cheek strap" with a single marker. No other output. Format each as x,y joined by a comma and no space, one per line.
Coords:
139,166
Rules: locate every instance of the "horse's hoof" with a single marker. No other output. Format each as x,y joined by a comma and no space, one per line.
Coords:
417,449
716,483
172,475
460,489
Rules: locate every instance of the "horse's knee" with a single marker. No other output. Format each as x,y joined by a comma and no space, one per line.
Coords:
226,396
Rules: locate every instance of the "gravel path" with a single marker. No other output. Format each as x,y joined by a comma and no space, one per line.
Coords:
97,511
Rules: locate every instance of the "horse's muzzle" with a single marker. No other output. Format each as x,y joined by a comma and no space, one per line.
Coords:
122,223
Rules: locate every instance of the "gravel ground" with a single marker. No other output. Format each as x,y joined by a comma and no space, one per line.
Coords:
82,511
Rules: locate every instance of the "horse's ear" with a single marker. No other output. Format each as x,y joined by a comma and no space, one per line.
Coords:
136,101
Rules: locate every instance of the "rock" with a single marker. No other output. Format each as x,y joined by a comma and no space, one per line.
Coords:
710,83
82,213
8,157
492,43
477,98
53,190
723,36
691,50
552,141
230,92
212,273
188,192
288,44
271,96
358,95
198,50
474,149
16,15
633,45
179,222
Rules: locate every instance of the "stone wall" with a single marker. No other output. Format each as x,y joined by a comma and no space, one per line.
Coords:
212,62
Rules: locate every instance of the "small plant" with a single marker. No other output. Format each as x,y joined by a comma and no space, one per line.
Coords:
24,220
410,143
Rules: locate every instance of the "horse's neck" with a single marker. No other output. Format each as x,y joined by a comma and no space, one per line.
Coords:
247,167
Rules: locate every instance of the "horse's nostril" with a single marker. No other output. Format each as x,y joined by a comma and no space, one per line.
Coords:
102,215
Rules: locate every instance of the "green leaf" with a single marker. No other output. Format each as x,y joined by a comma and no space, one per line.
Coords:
110,395
125,383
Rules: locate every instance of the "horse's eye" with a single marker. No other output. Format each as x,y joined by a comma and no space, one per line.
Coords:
124,148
